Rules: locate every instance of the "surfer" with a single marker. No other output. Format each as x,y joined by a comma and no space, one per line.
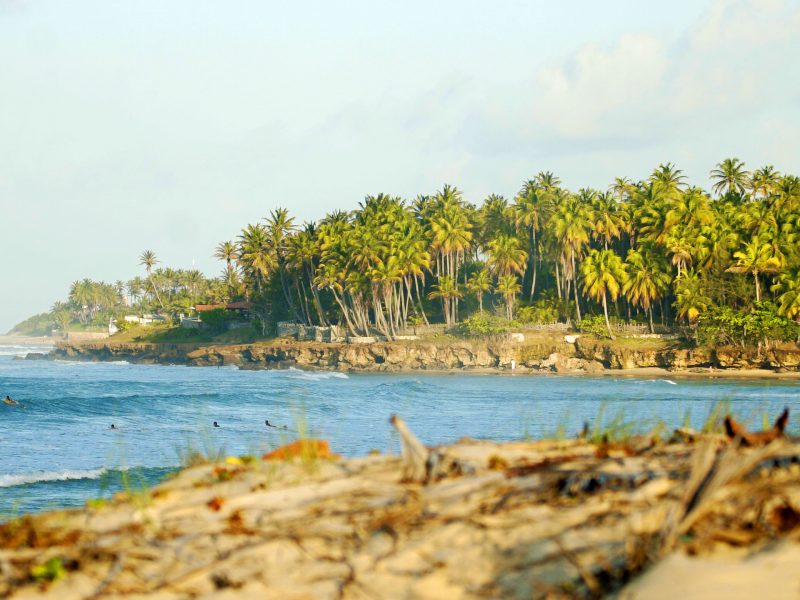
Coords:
268,424
113,426
10,401
216,424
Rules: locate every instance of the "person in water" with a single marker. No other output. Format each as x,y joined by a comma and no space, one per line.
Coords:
113,426
216,424
268,424
10,400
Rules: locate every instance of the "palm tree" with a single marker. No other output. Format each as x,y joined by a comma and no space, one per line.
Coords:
764,181
756,257
148,259
506,255
609,222
508,286
571,227
668,180
479,283
447,290
648,278
532,207
691,299
729,177
789,285
603,274
255,254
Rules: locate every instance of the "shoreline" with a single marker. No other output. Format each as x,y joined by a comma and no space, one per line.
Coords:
451,357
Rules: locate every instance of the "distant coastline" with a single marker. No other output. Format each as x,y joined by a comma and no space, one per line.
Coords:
27,340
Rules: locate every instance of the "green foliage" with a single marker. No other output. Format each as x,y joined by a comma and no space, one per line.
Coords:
595,325
652,250
539,313
37,325
215,321
484,324
723,325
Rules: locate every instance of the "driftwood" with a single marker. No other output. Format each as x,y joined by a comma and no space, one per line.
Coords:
470,520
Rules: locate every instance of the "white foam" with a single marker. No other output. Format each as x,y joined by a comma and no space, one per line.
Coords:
22,350
316,375
66,475
669,381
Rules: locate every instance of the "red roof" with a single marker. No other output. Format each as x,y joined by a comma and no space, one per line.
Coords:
205,307
241,305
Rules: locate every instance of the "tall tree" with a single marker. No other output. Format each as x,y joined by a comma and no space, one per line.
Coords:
604,275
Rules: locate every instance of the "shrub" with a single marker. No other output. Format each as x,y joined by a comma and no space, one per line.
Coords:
484,324
594,324
722,325
539,313
215,320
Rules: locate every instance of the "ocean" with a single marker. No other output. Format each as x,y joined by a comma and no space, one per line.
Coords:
57,448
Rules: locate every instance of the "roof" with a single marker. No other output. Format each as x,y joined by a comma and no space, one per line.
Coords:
241,305
205,307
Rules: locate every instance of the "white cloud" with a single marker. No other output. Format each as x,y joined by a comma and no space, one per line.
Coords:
734,63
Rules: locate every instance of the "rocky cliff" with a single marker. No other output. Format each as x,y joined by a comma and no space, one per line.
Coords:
586,355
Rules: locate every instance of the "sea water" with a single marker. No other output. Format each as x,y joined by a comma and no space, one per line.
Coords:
57,448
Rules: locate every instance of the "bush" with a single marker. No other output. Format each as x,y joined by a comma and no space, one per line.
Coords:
215,321
539,313
722,325
484,324
594,324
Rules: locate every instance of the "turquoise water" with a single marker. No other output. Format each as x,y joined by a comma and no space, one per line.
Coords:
58,450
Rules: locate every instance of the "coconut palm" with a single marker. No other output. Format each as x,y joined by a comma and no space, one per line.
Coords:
604,274
255,254
729,177
508,287
505,255
447,290
531,210
789,286
691,300
609,222
763,182
479,283
148,259
756,258
649,278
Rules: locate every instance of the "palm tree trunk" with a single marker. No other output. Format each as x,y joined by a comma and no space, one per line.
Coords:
650,313
605,313
575,283
419,301
758,286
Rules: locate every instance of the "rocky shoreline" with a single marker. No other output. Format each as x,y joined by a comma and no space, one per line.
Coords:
550,355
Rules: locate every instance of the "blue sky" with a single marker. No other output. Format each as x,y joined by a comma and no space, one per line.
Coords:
170,125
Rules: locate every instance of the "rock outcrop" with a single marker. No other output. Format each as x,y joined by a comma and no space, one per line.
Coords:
585,355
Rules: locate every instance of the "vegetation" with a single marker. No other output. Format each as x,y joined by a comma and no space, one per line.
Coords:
655,252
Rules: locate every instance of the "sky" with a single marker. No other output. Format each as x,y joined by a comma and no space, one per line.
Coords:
169,126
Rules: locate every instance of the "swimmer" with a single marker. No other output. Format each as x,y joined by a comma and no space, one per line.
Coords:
113,426
10,401
268,424
216,424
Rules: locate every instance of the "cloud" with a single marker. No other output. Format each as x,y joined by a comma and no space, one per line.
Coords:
727,66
